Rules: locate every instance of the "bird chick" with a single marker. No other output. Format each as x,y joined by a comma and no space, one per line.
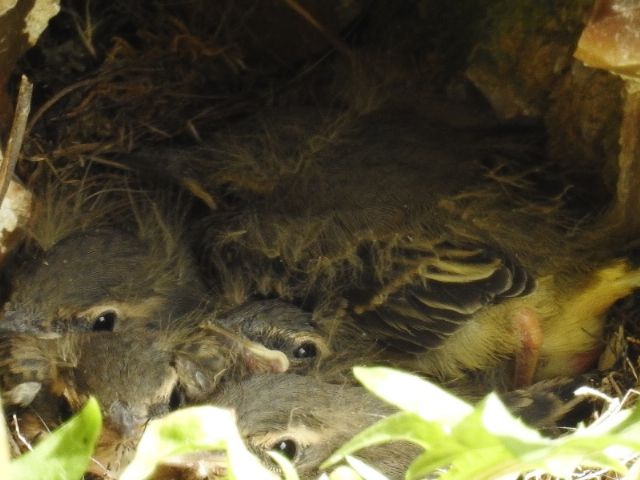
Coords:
312,344
132,384
135,376
101,280
307,419
437,240
279,325
96,261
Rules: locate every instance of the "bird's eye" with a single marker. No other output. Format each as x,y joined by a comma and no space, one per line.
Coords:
105,321
306,350
286,447
176,399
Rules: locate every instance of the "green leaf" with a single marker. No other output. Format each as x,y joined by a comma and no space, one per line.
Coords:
343,472
497,445
431,461
5,456
400,426
363,470
413,394
487,441
492,425
193,430
288,470
500,422
66,452
482,464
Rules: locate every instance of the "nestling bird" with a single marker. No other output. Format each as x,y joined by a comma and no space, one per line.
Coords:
434,236
98,260
132,384
306,419
279,326
312,345
136,375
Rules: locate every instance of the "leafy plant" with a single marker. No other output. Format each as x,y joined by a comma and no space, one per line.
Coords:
460,441
486,441
65,453
191,430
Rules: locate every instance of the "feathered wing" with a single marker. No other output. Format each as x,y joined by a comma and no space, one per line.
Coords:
400,219
431,290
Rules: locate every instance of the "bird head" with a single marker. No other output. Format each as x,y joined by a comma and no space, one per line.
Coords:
136,375
132,375
281,326
306,420
101,280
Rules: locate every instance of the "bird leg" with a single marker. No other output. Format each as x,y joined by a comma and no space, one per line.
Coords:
526,323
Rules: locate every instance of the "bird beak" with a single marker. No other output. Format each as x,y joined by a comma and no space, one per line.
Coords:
260,359
116,445
124,419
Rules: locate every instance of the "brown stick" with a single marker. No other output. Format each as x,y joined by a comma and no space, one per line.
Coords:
16,136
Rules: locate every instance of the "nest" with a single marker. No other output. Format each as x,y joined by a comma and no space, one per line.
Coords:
114,77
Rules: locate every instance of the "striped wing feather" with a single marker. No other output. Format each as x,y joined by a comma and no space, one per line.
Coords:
431,292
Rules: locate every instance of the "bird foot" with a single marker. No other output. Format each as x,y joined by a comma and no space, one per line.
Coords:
526,323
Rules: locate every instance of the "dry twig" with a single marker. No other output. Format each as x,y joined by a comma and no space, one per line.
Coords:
14,144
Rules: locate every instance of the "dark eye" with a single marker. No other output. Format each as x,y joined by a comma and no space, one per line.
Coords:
176,400
306,350
286,447
105,322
